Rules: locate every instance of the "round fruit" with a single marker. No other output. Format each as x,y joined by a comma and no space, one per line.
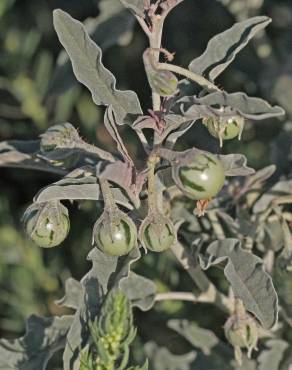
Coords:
225,129
117,239
241,332
203,178
47,226
157,233
164,83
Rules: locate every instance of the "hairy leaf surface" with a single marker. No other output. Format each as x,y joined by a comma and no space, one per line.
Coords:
248,279
86,57
44,337
222,48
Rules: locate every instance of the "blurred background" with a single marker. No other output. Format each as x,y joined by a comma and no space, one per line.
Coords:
38,90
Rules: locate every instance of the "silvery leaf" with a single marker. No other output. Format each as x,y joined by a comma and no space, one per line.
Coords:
44,337
246,106
222,48
200,338
112,25
161,359
139,290
86,57
248,279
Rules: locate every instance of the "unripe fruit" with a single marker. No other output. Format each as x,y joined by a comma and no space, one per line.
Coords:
163,83
203,178
241,332
157,232
116,235
47,224
225,128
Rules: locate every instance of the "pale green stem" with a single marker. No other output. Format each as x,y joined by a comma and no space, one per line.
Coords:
152,194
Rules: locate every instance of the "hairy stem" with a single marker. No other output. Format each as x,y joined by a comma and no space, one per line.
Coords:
176,296
152,194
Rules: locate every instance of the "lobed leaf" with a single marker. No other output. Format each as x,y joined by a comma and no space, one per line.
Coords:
248,279
139,290
248,107
222,48
87,65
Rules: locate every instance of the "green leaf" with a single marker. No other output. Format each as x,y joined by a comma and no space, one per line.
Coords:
222,48
86,57
44,337
162,359
139,290
200,338
245,272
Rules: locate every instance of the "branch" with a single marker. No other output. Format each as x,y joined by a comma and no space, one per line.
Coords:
176,296
209,293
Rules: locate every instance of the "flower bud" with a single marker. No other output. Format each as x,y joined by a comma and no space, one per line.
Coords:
163,83
157,232
47,224
115,233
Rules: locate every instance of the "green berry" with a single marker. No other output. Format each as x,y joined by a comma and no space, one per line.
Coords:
225,128
115,237
157,233
47,224
203,178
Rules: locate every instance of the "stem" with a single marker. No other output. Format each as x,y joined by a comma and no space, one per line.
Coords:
176,296
209,291
155,43
152,195
200,80
109,202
